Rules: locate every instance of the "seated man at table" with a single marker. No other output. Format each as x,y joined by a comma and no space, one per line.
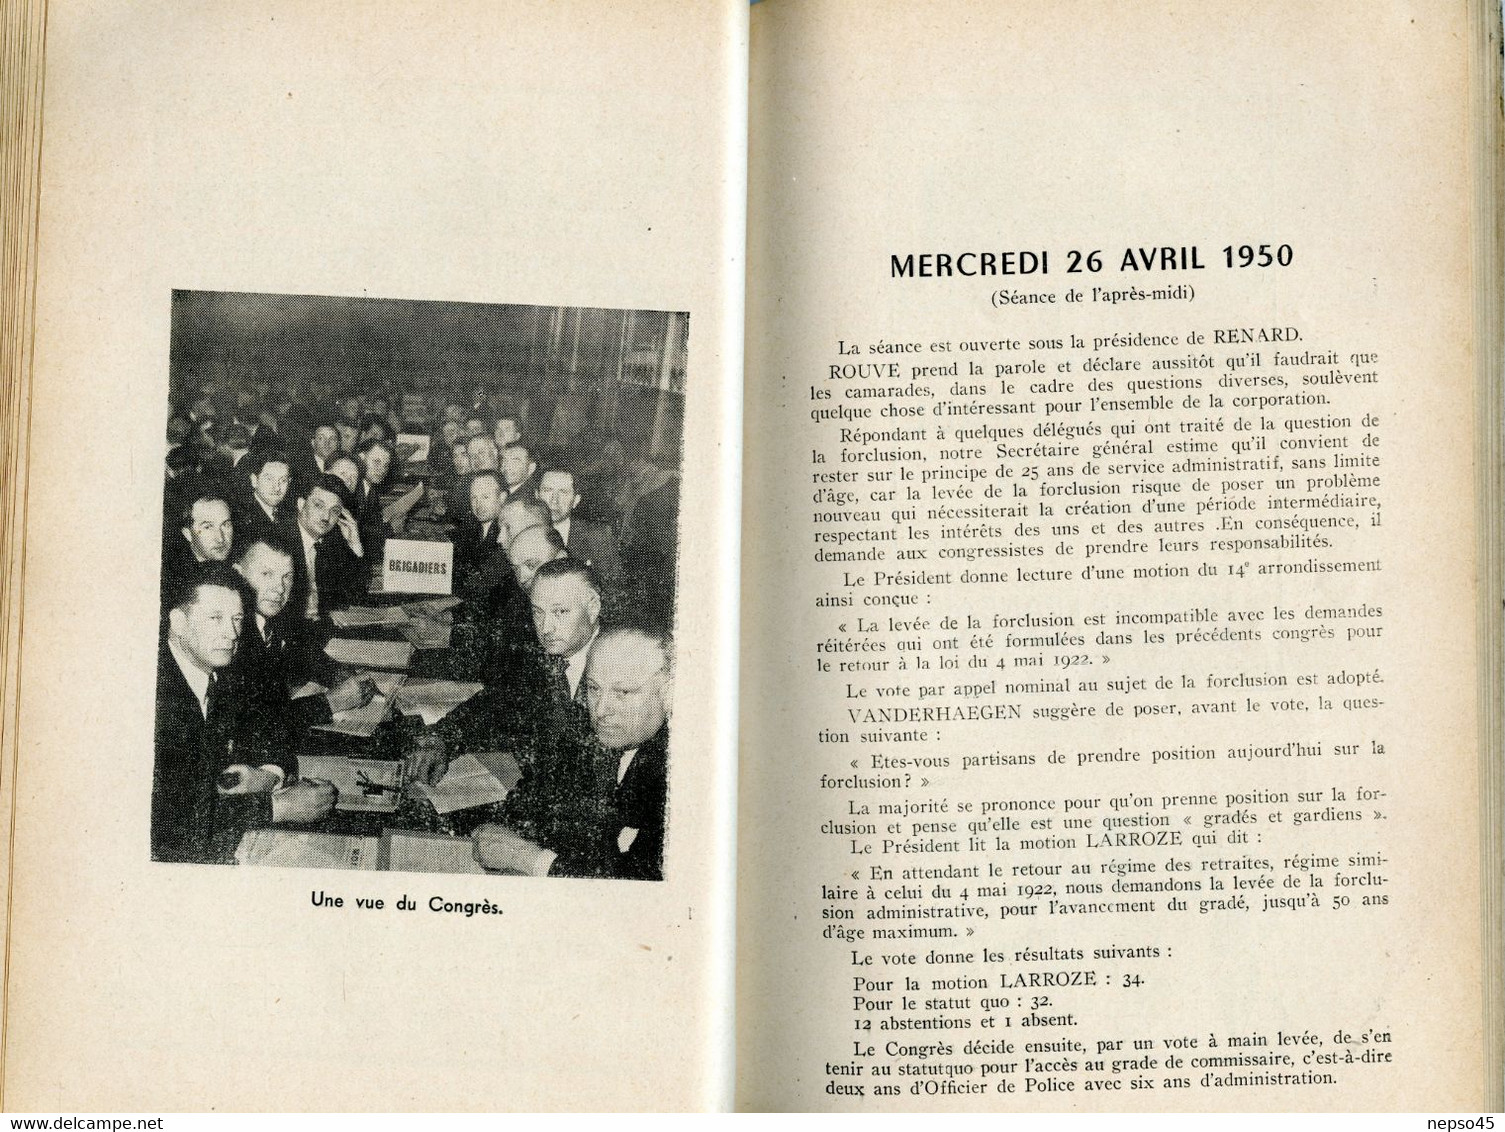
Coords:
585,540
269,662
217,772
262,512
322,445
206,533
598,811
329,569
495,642
493,582
518,471
270,666
375,457
481,453
476,538
565,596
534,546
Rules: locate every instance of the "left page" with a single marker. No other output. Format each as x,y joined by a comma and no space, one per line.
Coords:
373,743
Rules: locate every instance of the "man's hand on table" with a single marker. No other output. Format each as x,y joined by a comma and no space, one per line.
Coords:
428,760
497,847
303,801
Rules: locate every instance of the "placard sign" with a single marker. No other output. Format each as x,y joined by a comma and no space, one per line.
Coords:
411,566
413,447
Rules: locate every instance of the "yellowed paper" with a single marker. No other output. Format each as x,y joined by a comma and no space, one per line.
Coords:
562,156
1109,696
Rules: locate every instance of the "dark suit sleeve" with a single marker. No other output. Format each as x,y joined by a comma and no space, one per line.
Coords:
342,573
560,805
641,800
598,546
191,821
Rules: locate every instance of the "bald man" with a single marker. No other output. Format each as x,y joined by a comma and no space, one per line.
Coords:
600,813
534,547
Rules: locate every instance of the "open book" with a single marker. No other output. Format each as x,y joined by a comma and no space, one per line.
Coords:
976,527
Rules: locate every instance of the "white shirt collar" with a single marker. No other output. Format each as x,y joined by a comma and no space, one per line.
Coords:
623,762
563,527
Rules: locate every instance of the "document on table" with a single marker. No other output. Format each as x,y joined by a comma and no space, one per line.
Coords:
365,786
369,654
363,615
431,607
406,851
466,784
293,849
434,699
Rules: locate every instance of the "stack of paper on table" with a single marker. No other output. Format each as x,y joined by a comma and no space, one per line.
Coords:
434,699
466,784
369,654
363,615
430,607
364,785
406,851
292,849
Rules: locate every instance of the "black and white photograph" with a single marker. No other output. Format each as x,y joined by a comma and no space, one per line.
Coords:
418,585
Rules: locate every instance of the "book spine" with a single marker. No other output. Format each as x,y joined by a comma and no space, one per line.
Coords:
22,37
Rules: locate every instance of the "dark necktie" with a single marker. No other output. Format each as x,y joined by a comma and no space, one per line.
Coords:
559,682
213,699
311,610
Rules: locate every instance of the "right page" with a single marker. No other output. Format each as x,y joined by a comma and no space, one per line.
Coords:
1111,703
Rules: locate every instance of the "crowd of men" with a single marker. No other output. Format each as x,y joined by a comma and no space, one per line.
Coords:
276,511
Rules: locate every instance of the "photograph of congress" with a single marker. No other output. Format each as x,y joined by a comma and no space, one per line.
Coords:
418,581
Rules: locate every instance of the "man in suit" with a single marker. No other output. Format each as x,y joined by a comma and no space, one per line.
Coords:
535,547
324,443
476,539
481,453
506,431
495,568
263,513
207,527
329,565
205,532
518,470
216,772
269,665
375,458
268,661
565,597
590,542
598,809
